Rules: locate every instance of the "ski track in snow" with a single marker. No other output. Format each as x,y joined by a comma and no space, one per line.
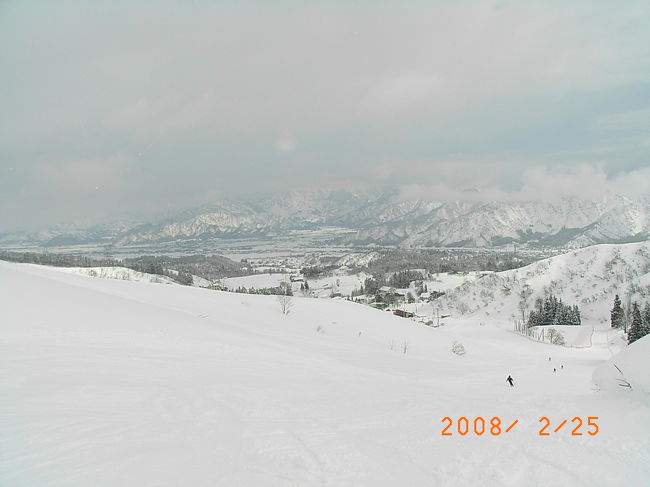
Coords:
110,383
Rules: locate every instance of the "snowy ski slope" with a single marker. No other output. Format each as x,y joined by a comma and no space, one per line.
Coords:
116,383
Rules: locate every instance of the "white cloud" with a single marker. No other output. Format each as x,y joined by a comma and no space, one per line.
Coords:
377,92
629,120
285,145
403,92
546,183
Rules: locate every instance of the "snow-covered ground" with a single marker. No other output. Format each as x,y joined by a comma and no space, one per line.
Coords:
122,273
118,383
446,281
574,336
258,281
340,282
126,274
588,277
323,287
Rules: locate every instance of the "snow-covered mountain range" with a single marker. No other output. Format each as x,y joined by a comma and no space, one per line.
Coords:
571,222
387,218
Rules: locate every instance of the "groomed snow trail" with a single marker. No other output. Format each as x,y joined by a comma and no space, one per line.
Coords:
111,383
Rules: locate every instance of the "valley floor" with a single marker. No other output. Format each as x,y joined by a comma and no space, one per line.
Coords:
115,383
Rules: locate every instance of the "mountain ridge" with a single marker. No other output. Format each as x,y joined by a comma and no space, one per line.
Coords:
386,218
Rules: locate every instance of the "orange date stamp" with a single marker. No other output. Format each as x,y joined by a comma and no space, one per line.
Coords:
495,426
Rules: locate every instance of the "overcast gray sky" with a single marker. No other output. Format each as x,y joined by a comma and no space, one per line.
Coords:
110,107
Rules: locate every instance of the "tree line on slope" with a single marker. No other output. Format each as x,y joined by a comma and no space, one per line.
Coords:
284,289
550,310
448,260
179,269
634,322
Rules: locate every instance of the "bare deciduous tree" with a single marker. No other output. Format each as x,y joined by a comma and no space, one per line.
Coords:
555,337
286,303
524,295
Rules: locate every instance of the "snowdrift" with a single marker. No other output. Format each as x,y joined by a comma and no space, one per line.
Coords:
630,367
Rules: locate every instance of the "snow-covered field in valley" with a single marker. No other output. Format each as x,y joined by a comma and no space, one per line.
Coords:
111,383
321,287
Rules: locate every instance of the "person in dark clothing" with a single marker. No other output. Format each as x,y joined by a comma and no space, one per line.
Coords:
510,380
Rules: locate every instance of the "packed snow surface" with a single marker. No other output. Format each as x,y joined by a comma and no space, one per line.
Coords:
117,383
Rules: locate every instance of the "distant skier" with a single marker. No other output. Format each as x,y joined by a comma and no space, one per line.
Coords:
554,370
509,380
562,367
549,359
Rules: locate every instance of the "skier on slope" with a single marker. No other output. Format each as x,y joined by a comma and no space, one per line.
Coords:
510,380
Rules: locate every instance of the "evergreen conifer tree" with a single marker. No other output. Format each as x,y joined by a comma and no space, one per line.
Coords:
561,315
636,328
617,314
577,319
645,327
534,319
547,314
552,311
